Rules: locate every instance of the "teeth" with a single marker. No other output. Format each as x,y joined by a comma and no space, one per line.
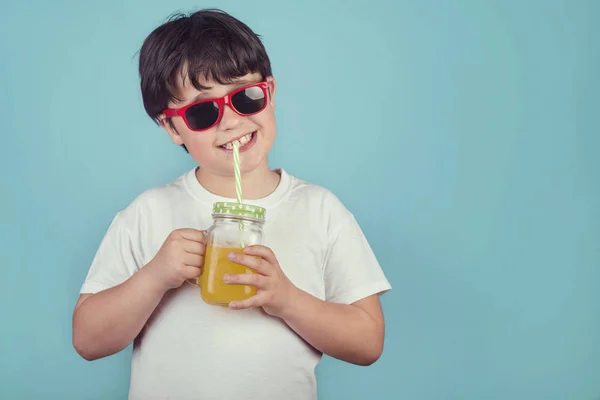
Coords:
245,139
241,141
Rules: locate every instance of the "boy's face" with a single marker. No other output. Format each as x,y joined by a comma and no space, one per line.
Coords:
212,148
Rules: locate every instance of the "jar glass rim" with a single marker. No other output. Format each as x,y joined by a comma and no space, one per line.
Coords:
238,217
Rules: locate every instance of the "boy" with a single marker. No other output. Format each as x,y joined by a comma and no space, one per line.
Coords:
318,280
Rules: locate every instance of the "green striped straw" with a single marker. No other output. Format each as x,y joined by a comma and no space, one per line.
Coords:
238,183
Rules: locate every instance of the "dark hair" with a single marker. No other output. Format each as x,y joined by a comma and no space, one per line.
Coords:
208,43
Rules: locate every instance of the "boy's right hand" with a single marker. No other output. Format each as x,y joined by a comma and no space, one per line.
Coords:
181,257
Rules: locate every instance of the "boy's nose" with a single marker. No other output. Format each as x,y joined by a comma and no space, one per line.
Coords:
230,119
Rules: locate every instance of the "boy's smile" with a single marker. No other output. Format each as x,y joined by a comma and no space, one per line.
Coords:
244,142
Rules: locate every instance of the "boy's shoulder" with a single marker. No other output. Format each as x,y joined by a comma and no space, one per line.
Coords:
318,198
157,198
314,190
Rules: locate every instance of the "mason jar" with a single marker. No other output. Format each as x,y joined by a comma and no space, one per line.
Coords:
234,227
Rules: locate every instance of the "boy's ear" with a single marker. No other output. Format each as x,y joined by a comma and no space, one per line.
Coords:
272,86
168,126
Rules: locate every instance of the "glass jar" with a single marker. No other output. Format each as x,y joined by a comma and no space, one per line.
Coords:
234,227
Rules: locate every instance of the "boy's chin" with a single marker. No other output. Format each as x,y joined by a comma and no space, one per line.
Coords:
251,163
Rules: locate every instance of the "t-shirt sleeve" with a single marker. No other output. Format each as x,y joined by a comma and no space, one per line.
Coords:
352,271
116,259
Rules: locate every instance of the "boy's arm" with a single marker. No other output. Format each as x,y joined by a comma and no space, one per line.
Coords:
353,333
106,322
349,332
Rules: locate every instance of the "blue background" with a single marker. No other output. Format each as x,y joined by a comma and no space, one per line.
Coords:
478,119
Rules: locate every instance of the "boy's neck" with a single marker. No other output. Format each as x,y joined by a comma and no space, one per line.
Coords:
256,184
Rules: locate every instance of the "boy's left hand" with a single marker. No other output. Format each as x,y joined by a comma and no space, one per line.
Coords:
275,291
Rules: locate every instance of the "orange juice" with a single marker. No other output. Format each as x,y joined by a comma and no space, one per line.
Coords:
216,264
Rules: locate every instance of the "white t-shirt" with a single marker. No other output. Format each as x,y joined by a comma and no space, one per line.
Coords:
191,350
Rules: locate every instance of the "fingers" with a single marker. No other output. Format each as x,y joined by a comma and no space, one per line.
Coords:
256,280
194,247
256,263
193,260
261,251
193,235
190,272
252,302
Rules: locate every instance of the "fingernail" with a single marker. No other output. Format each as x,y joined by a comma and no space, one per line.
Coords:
231,256
226,278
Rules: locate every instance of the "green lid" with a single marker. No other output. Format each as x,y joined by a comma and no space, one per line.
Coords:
240,210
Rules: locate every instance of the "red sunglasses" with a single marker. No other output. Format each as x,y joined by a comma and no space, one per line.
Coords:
204,114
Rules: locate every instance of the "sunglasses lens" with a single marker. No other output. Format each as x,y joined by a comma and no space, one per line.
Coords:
202,115
250,100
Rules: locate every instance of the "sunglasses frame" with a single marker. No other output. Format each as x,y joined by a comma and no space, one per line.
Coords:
221,102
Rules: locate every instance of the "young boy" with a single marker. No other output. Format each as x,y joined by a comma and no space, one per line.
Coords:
318,280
